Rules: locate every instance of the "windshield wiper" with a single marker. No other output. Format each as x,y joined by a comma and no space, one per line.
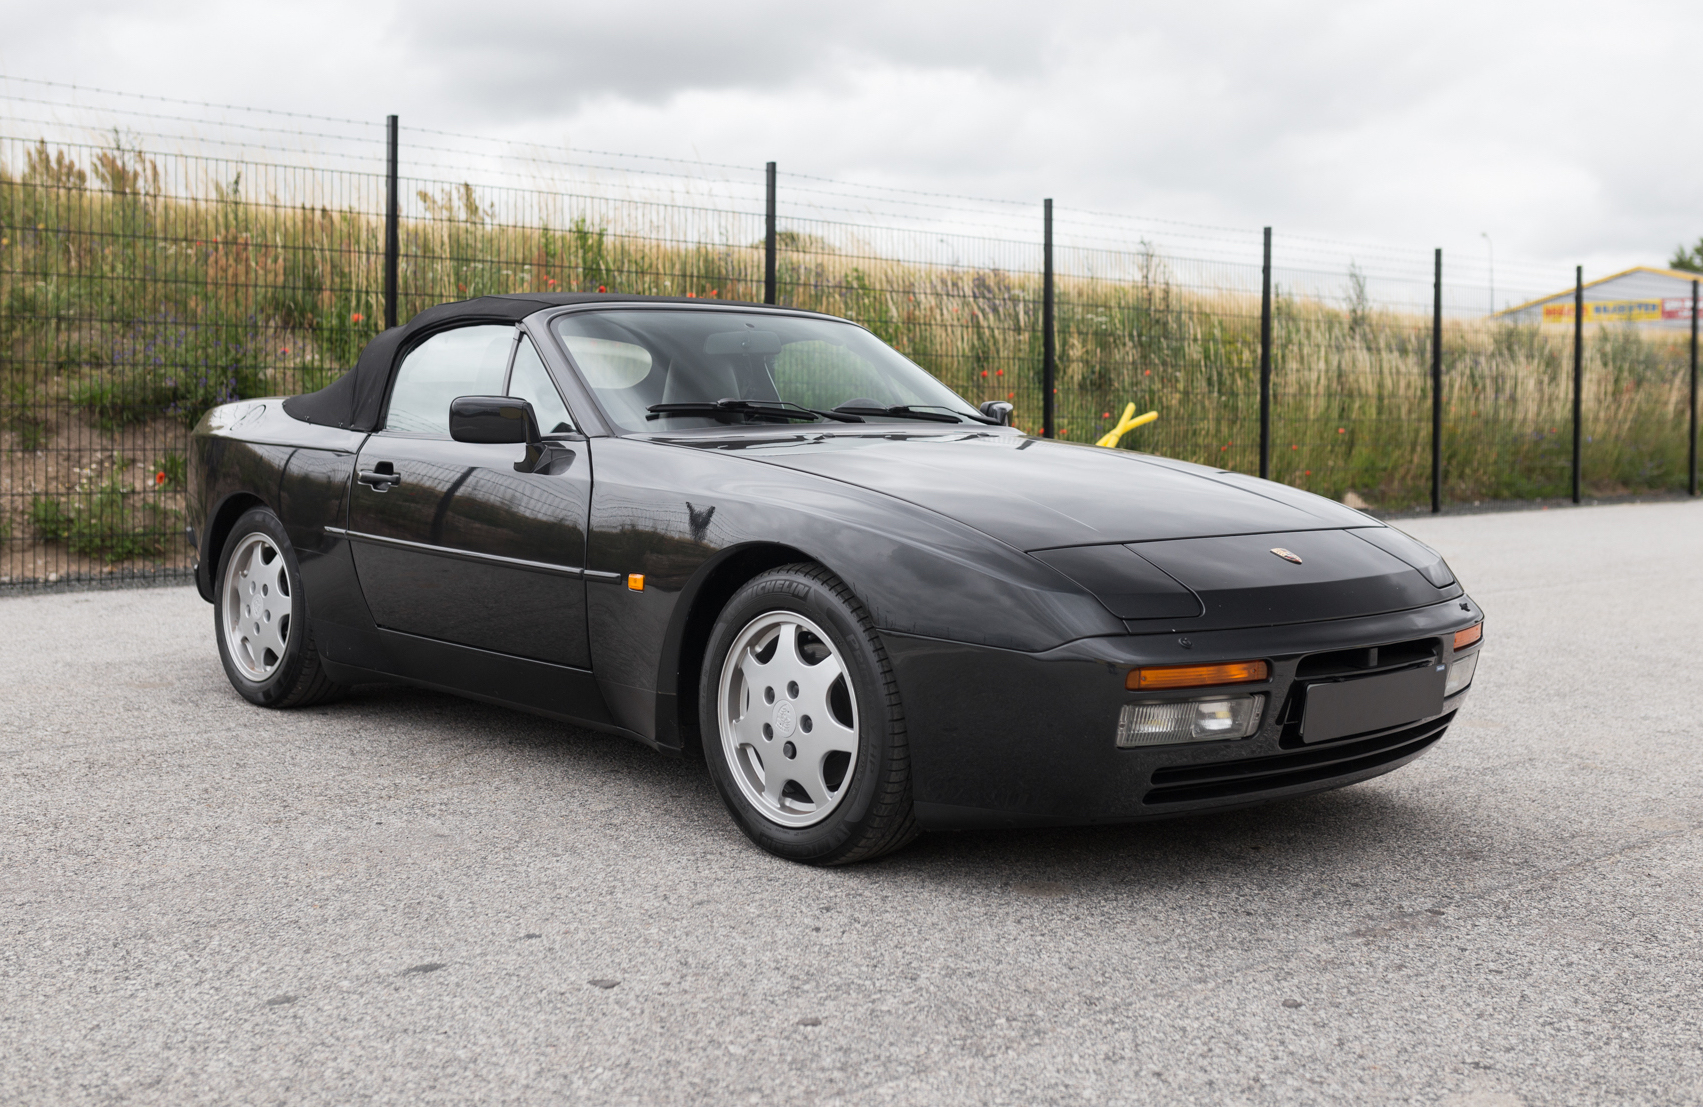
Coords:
904,411
972,416
783,409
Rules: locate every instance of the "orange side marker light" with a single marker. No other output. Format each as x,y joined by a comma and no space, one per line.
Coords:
1465,638
636,582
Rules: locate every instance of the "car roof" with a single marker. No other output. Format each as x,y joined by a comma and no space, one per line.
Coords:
355,401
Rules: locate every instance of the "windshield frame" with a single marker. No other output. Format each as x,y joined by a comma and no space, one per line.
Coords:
544,322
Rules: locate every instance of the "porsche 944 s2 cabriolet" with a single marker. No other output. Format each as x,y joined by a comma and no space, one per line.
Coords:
764,537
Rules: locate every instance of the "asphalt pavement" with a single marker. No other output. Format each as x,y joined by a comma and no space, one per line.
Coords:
408,898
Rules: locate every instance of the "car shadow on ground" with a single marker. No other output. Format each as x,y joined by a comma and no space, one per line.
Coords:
1328,840
1327,836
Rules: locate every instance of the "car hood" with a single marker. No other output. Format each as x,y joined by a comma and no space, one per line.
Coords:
1034,493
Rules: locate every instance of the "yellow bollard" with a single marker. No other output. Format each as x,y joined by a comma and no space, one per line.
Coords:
1126,424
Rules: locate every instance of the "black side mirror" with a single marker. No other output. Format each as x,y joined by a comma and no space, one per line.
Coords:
498,420
999,411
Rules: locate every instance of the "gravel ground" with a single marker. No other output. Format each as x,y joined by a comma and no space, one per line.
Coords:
409,898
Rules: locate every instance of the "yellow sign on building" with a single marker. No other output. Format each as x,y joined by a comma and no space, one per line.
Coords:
1642,297
1611,311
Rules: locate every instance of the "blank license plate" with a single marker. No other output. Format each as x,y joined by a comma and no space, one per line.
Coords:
1346,707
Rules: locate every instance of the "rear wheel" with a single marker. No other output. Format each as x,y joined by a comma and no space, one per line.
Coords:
260,618
804,731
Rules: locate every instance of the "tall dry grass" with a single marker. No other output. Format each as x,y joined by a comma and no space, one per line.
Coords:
125,307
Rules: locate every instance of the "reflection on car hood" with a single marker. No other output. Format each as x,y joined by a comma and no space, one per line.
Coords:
1034,493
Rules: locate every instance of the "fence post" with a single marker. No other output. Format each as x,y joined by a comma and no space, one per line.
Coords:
1578,372
1691,465
391,237
1265,361
1437,386
1049,359
769,235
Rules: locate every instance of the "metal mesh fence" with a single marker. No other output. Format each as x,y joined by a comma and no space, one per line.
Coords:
146,275
137,290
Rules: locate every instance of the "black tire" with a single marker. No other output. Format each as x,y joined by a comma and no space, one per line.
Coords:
296,679
873,815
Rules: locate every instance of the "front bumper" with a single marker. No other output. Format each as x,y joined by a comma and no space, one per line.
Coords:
1001,738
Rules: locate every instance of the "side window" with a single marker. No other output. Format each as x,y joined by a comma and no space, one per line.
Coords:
469,361
531,382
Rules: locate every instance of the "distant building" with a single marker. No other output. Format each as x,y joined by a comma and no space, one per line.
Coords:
1655,299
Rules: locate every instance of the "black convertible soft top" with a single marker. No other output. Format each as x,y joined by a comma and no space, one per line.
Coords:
355,400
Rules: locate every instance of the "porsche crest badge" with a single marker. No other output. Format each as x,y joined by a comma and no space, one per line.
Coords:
1286,555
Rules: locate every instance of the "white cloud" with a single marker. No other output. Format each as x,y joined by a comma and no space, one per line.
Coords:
1562,129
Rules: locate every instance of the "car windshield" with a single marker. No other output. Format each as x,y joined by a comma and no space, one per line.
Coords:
663,370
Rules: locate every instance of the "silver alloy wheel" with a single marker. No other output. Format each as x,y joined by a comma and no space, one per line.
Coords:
788,719
256,613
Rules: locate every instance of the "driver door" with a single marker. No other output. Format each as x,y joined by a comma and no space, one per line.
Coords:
452,543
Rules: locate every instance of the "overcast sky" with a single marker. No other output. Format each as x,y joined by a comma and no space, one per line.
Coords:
1566,131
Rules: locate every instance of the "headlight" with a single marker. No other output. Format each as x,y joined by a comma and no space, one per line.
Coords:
1460,674
1203,720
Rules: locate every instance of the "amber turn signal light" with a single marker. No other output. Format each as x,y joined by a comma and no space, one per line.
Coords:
636,582
1196,676
1465,638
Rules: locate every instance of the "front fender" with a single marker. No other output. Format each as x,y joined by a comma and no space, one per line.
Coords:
667,511
676,514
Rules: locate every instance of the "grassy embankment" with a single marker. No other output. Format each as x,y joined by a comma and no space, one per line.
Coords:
125,313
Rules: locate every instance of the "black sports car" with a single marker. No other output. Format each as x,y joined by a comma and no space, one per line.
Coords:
764,537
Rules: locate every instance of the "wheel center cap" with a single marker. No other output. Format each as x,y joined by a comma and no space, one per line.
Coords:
784,720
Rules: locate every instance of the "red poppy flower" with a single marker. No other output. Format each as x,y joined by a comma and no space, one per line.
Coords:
355,318
159,479
600,288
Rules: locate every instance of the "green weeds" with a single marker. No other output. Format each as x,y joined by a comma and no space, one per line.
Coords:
115,523
21,414
112,523
171,471
48,518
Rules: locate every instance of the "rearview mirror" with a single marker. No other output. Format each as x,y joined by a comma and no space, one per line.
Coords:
999,411
497,420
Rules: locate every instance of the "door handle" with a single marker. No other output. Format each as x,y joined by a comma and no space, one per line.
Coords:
381,477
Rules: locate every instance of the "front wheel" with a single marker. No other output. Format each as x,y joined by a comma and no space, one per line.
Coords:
804,732
260,618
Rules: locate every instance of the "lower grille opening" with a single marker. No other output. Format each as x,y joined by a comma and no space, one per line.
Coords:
1189,783
1368,660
